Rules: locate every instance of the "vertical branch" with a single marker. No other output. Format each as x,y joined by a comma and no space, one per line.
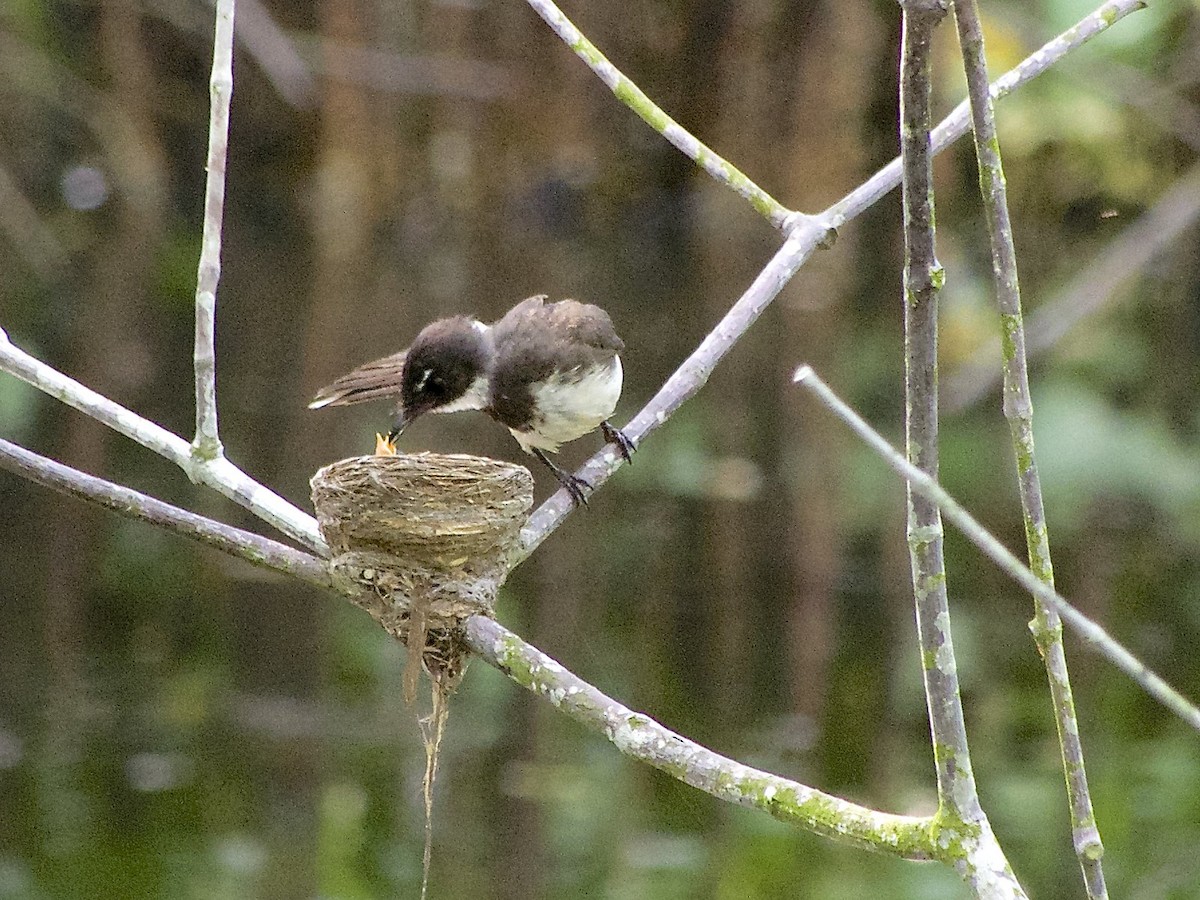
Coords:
957,797
1018,409
207,445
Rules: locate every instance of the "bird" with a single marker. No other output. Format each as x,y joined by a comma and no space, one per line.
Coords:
549,372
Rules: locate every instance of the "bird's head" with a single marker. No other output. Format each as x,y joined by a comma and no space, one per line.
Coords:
446,370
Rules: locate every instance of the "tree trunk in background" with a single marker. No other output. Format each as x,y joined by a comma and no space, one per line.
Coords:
108,352
823,121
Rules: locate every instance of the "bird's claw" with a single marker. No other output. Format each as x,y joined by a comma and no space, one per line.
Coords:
575,486
618,437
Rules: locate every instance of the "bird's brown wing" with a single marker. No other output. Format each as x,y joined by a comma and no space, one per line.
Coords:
375,380
542,325
586,324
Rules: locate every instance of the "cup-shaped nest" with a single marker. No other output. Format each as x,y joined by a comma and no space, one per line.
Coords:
432,535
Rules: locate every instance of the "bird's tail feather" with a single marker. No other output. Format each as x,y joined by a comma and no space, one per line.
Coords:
375,380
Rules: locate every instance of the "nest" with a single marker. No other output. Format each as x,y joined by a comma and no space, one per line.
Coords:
431,535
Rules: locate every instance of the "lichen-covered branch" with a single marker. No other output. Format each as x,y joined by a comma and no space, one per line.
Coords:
642,738
253,548
1018,409
634,734
219,474
1093,636
207,443
958,798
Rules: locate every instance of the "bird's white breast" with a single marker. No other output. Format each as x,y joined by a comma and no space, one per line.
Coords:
570,404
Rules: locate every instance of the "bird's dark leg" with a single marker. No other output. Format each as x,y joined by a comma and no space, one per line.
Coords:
573,483
617,436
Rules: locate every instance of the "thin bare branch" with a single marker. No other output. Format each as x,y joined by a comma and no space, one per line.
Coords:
1018,409
219,474
636,735
1092,634
207,444
253,548
689,377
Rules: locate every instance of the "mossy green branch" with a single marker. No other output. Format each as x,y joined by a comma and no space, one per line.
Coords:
1018,409
642,738
653,115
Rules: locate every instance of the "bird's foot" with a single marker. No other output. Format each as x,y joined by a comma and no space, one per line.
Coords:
384,446
572,484
575,486
617,436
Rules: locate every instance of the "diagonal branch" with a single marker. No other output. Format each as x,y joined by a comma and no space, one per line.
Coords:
634,734
683,140
219,474
640,737
253,548
1018,409
1094,637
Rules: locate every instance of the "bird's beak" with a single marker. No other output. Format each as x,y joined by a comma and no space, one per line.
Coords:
398,426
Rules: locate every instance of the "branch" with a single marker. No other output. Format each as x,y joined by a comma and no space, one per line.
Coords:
636,735
219,474
805,234
207,443
131,504
633,97
1094,637
641,738
1018,409
958,797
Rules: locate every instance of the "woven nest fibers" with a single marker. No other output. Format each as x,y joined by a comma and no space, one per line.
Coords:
430,531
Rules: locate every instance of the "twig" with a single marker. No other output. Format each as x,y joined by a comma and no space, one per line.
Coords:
207,444
1092,634
688,378
633,97
253,548
1018,409
219,474
805,234
636,735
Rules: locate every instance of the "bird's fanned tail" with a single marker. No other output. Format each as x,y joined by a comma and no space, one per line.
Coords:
376,380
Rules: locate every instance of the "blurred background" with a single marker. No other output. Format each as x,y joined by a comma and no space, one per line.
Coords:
176,724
